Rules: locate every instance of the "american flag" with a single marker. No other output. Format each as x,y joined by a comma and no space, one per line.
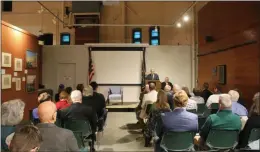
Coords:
91,71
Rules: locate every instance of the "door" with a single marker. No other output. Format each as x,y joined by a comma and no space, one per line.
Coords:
67,74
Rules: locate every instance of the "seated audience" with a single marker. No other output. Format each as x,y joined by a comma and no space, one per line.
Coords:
206,93
166,82
191,104
68,90
240,100
78,111
178,120
80,87
224,119
138,109
186,89
169,93
54,138
149,98
12,115
57,95
41,98
26,139
197,96
160,106
64,101
214,98
216,90
237,108
176,88
252,122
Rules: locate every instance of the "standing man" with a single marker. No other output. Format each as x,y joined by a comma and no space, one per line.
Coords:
152,75
166,82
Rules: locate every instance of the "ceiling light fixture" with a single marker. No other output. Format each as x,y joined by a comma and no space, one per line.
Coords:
178,25
186,18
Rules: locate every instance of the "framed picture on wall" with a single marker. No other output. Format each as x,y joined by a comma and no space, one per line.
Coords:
6,59
31,83
221,74
31,59
18,84
6,81
18,64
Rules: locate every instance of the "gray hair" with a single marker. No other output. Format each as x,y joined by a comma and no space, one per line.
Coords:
167,88
225,100
176,88
76,96
12,112
234,95
88,91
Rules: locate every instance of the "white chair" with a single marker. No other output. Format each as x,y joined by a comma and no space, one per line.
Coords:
115,95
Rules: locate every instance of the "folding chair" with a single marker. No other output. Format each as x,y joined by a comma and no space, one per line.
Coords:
192,110
201,109
201,121
222,139
177,141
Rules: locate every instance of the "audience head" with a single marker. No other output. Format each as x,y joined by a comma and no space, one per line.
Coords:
61,87
239,92
88,91
180,99
151,86
80,87
206,85
166,79
12,112
47,112
76,96
217,90
186,89
162,101
176,88
26,139
44,97
152,71
234,95
68,90
167,88
94,85
64,95
197,91
225,101
255,108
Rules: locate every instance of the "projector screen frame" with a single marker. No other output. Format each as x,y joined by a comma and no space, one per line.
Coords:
118,47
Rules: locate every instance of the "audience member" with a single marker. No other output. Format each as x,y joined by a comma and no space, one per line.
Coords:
197,96
186,89
240,100
54,138
12,115
68,90
166,82
26,139
169,93
176,88
78,111
178,120
149,98
237,108
160,106
152,75
214,98
206,93
57,95
224,119
216,90
252,122
138,109
41,98
80,87
64,101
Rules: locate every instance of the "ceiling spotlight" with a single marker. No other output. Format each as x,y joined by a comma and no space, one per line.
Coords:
186,18
178,25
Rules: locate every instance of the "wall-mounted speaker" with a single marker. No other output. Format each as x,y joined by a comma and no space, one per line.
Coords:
209,39
7,6
47,38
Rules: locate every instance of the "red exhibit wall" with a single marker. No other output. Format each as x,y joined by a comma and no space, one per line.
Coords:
16,42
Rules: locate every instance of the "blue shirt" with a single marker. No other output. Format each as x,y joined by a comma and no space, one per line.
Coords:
238,109
35,113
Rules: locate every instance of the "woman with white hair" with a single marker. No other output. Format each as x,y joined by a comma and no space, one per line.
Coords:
252,122
12,114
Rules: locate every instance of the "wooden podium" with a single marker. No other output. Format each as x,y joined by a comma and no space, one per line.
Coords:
156,82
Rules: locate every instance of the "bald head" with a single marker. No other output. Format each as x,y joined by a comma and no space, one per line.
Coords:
47,112
152,86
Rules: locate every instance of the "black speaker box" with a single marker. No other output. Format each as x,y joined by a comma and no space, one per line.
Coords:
47,38
7,6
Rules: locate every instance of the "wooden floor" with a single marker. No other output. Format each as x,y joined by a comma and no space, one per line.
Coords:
125,107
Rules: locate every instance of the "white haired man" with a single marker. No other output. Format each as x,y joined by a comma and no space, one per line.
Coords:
224,119
167,89
237,108
176,88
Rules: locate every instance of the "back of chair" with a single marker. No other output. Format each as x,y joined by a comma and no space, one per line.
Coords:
78,126
177,141
222,139
201,121
115,89
192,110
254,135
201,108
214,108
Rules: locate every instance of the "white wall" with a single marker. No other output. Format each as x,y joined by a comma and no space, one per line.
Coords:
171,61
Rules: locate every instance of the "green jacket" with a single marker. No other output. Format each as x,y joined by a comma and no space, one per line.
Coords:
223,120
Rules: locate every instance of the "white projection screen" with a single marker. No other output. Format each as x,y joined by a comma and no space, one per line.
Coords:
117,67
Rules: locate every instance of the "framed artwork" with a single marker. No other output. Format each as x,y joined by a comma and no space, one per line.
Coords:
18,84
6,59
6,81
18,64
31,59
31,83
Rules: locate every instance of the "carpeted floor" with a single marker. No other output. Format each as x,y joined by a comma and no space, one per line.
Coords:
117,138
